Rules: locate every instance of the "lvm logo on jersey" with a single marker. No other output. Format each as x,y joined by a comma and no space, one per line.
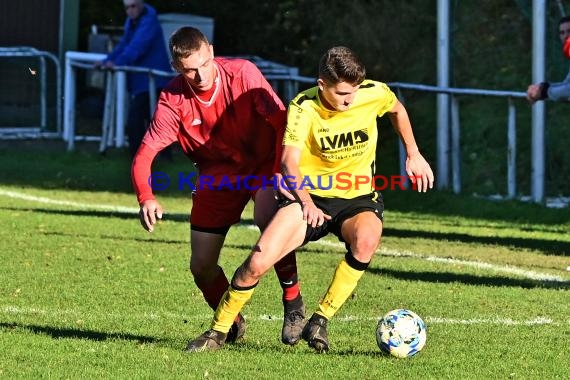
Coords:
343,140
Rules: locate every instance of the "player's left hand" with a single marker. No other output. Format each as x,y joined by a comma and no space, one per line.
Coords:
149,213
419,172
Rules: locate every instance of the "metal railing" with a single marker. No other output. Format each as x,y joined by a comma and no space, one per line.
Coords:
115,101
115,98
455,151
34,131
116,94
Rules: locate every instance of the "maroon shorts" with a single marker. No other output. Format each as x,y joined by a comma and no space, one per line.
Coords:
215,211
216,208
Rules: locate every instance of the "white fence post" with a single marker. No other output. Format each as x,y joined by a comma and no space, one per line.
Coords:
455,146
512,151
538,110
121,83
69,104
442,98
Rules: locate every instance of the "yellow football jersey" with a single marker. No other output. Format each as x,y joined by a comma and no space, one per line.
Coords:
338,148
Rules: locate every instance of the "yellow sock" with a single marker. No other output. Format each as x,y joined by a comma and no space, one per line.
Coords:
343,283
229,307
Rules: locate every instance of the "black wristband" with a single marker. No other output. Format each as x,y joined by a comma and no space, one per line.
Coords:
544,90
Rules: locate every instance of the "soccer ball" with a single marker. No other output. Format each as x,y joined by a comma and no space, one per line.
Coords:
401,333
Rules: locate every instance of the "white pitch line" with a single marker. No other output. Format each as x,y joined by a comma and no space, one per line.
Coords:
477,264
496,320
491,321
449,321
45,200
383,251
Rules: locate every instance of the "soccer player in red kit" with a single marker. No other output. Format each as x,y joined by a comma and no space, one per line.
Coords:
230,123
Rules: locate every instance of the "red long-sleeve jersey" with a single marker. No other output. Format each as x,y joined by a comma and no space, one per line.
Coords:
239,132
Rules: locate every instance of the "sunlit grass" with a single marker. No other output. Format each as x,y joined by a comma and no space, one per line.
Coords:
85,292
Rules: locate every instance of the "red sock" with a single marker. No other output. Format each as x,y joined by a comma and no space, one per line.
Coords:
286,270
289,294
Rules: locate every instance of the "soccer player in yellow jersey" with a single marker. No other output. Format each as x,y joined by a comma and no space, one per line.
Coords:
331,132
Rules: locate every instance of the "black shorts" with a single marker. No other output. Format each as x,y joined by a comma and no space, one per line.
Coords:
339,209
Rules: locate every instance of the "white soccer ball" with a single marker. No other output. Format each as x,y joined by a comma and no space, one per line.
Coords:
401,333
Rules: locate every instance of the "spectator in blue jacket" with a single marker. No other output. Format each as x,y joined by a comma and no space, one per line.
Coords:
142,45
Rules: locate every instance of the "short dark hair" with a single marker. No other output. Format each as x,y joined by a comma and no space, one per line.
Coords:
185,41
563,20
340,64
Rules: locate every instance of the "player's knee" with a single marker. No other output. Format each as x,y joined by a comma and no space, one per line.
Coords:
363,247
256,266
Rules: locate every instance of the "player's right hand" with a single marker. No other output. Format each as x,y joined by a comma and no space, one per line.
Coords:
150,212
314,216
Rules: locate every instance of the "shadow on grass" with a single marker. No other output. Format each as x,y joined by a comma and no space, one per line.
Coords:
68,333
112,214
468,279
96,213
244,247
548,247
445,203
368,353
269,347
115,237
